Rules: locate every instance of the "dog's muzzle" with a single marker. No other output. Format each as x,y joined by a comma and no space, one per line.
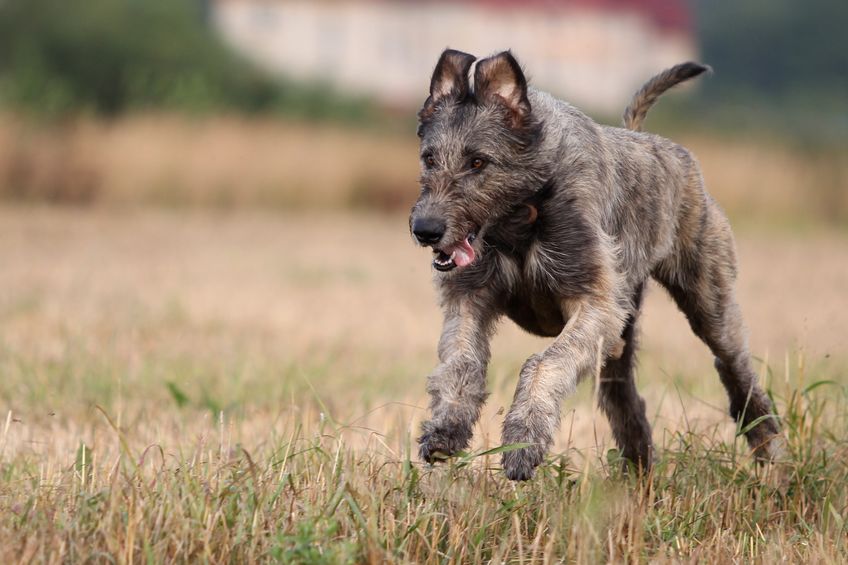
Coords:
461,254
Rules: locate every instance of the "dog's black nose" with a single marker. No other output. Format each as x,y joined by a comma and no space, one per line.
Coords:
428,230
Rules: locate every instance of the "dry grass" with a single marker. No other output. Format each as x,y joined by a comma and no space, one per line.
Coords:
762,181
227,387
219,162
222,162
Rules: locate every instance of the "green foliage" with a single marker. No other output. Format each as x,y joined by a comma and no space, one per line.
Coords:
82,462
777,47
110,56
777,62
180,397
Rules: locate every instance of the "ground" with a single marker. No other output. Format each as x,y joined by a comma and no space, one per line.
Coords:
225,386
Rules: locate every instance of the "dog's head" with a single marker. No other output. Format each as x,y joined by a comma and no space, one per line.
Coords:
477,154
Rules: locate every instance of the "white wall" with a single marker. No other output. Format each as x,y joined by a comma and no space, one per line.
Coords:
387,49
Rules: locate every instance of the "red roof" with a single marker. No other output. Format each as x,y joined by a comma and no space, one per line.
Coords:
666,14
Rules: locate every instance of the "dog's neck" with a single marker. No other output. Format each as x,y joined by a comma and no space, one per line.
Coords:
514,234
534,202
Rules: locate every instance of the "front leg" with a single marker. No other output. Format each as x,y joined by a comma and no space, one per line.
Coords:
593,328
457,386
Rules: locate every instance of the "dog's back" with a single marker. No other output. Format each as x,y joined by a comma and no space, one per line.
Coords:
640,187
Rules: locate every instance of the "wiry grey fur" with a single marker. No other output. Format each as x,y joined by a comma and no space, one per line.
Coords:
571,218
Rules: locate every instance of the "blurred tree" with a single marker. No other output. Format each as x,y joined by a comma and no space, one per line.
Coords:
778,60
108,56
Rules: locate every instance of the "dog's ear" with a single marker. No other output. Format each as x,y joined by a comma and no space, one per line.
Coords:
499,80
450,77
450,80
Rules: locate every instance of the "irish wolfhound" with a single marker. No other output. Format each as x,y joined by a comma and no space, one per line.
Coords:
535,211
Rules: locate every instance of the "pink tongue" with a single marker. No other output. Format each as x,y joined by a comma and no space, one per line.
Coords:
463,254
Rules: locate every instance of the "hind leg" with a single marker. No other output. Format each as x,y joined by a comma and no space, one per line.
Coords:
620,401
700,278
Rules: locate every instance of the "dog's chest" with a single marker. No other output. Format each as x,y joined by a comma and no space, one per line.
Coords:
526,302
536,312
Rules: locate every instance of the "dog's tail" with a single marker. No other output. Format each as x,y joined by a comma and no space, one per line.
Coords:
642,101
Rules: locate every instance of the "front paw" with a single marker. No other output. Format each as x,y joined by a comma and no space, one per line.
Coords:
520,464
437,443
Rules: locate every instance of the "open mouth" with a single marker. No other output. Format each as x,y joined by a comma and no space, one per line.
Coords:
459,255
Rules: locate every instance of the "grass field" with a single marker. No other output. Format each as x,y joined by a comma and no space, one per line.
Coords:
224,387
224,161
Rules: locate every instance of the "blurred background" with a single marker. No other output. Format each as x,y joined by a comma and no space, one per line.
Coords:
311,102
203,203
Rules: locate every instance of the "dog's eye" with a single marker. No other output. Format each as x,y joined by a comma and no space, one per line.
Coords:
477,163
430,161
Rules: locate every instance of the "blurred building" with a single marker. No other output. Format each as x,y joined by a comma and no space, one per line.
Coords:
594,53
